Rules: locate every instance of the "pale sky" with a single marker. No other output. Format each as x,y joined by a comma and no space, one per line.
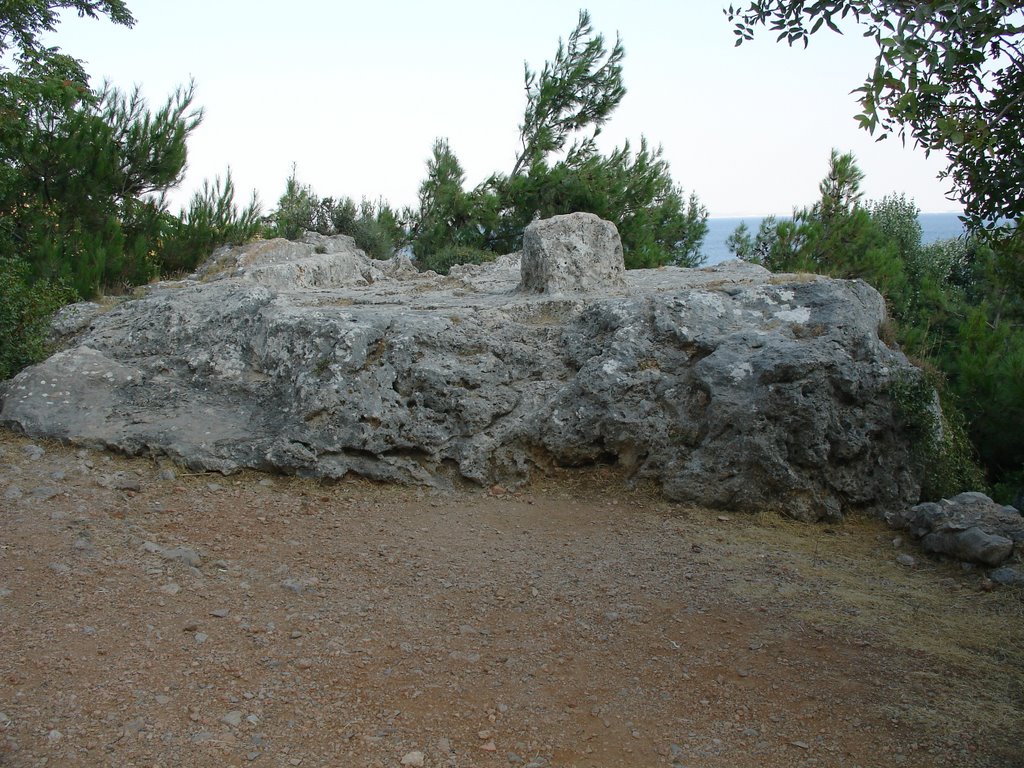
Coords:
356,93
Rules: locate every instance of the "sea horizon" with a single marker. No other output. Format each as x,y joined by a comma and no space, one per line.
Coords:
934,227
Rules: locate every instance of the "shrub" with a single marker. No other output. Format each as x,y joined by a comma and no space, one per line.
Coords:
211,220
25,309
942,450
376,227
443,260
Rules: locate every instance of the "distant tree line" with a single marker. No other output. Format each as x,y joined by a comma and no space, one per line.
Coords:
558,169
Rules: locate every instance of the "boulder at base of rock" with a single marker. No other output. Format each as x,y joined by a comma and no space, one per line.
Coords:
972,545
575,253
729,387
969,527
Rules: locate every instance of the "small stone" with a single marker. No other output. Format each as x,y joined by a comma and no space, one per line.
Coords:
220,613
299,586
61,569
800,744
167,475
201,637
304,663
414,759
163,700
34,452
125,483
214,487
908,560
13,493
232,718
45,493
54,735
5,592
1007,576
489,746
170,589
182,555
444,746
484,735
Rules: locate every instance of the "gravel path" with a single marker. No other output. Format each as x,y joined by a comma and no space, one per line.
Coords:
152,618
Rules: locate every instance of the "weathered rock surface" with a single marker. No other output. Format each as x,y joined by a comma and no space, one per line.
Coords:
969,527
729,386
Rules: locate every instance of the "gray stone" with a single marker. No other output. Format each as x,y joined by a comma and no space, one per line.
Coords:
728,386
45,493
1008,576
232,718
575,253
185,555
972,545
32,450
970,527
73,319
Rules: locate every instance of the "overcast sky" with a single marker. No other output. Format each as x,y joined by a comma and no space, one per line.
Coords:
356,93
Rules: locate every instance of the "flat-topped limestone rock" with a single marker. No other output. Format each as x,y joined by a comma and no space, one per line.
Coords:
728,386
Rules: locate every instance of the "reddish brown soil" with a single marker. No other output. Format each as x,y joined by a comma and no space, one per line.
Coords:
576,624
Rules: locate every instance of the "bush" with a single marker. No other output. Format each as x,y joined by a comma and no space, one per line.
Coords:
211,220
942,450
443,260
376,227
295,213
25,309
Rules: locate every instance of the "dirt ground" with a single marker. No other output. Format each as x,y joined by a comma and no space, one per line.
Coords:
149,617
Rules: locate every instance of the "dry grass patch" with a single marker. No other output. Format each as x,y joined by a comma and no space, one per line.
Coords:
965,645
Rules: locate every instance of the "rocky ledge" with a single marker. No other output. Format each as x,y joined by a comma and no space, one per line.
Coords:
728,386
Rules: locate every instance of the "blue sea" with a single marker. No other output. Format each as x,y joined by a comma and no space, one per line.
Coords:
934,226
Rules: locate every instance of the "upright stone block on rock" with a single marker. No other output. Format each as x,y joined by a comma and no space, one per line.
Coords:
575,253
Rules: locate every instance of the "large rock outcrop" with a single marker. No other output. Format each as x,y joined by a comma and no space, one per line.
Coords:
729,386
